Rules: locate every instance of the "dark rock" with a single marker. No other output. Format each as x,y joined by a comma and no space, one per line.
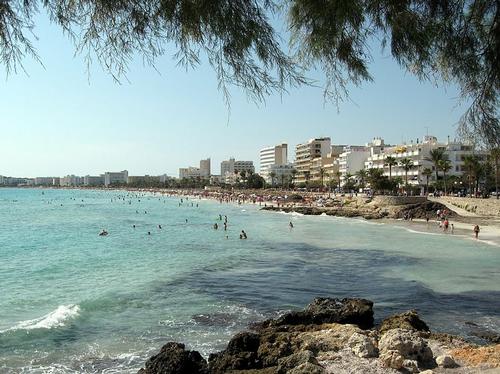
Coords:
295,360
240,354
409,321
174,359
422,210
274,346
483,333
328,310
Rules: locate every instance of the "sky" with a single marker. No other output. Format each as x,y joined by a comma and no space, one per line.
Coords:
58,120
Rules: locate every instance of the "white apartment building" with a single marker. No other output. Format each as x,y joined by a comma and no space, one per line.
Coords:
43,181
90,180
189,172
70,181
306,152
115,177
203,171
282,174
419,152
353,158
273,158
230,167
205,168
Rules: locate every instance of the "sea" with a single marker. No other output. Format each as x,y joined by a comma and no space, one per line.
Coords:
72,301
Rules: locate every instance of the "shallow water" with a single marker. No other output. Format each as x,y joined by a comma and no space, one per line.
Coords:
73,301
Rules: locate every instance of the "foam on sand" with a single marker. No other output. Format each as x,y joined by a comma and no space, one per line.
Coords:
56,318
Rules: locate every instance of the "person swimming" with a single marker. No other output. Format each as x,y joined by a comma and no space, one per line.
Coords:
103,233
133,226
159,226
149,232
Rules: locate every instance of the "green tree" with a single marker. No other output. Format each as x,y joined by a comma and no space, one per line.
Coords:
322,176
427,172
338,174
307,177
471,166
390,161
445,166
294,173
361,175
436,156
450,41
407,165
273,176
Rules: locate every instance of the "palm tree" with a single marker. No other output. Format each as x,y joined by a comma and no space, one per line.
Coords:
338,174
282,176
322,176
390,161
407,165
427,172
272,175
361,174
436,155
307,176
445,166
495,157
470,162
294,173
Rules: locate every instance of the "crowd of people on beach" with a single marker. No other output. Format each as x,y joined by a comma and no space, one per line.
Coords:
191,198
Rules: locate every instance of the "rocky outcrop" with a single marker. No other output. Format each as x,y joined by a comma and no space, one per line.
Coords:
326,310
398,345
332,336
351,209
408,320
174,359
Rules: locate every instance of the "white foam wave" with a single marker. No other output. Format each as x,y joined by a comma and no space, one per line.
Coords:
56,318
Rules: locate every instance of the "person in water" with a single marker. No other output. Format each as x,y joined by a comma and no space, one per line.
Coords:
159,226
149,232
216,226
291,225
243,234
476,231
133,226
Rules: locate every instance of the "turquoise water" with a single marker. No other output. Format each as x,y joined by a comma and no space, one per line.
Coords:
73,301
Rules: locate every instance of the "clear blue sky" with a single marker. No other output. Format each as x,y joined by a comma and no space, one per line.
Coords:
59,121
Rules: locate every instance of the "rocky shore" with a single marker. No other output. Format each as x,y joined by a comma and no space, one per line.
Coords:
333,336
368,209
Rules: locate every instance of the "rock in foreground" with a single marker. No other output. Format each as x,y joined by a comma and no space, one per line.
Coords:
333,336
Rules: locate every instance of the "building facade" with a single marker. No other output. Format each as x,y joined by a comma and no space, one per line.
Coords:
273,158
189,172
231,168
419,153
90,180
305,153
205,171
115,178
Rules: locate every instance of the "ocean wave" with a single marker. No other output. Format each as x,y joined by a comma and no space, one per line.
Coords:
56,318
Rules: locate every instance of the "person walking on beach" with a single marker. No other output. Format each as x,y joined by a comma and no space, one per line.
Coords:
452,228
476,231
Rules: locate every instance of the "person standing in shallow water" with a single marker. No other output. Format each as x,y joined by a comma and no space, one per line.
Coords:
476,231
